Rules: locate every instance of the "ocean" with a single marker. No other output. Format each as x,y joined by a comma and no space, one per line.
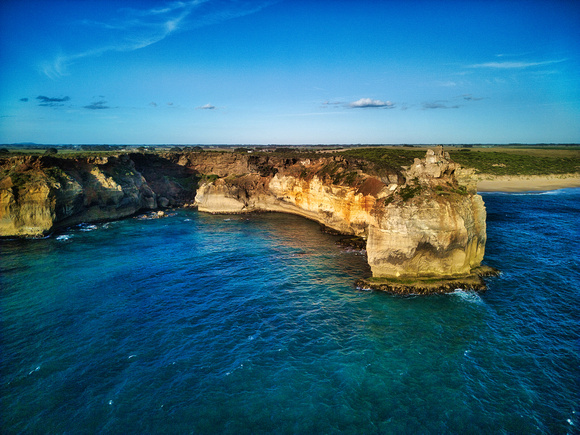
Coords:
195,323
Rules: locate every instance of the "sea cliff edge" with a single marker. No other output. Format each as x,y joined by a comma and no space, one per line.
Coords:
421,223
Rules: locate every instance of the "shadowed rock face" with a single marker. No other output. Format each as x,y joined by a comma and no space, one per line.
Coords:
421,221
38,194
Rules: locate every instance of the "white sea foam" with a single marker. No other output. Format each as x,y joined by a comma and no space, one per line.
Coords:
35,370
87,227
64,238
562,191
468,296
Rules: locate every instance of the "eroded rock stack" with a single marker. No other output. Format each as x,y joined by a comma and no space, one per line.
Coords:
424,224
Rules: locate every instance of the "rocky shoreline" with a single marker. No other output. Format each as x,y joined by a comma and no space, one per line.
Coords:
430,286
414,223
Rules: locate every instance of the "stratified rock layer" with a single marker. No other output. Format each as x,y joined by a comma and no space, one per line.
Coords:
38,194
423,224
418,222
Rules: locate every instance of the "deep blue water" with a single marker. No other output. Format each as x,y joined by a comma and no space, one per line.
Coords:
251,324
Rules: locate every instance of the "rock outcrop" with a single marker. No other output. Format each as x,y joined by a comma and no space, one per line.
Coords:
39,194
421,221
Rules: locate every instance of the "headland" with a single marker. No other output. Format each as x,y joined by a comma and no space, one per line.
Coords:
417,211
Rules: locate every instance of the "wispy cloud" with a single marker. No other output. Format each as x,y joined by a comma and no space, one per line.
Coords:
447,84
206,107
135,29
527,53
52,101
369,102
439,105
469,97
97,105
331,103
326,113
24,100
514,65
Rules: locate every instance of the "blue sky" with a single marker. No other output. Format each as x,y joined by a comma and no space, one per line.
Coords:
289,71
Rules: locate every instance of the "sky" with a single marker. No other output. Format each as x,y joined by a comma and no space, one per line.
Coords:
289,71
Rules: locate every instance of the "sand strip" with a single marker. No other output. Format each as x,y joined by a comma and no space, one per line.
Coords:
525,183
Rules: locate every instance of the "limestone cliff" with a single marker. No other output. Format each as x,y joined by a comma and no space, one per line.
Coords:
38,194
425,220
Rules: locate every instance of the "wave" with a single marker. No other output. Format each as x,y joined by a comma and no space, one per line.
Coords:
87,227
468,296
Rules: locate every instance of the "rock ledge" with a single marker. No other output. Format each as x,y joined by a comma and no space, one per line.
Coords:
427,286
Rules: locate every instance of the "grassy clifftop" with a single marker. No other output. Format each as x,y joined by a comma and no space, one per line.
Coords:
494,161
497,160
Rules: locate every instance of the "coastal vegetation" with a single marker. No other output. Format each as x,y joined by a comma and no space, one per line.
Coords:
492,160
519,162
410,191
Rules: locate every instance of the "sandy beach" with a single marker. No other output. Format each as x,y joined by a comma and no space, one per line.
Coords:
524,183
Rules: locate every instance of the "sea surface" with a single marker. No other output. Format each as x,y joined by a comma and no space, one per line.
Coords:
251,324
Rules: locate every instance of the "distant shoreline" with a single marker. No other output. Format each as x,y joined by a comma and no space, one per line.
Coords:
525,183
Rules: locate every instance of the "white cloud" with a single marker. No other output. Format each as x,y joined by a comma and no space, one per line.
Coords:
206,107
369,102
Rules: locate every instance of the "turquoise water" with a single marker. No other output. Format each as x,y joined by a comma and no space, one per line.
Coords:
251,324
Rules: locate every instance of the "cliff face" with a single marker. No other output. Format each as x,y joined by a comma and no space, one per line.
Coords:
425,222
422,221
38,194
428,237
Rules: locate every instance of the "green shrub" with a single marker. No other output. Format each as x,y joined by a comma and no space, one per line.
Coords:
409,192
209,178
20,179
385,158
